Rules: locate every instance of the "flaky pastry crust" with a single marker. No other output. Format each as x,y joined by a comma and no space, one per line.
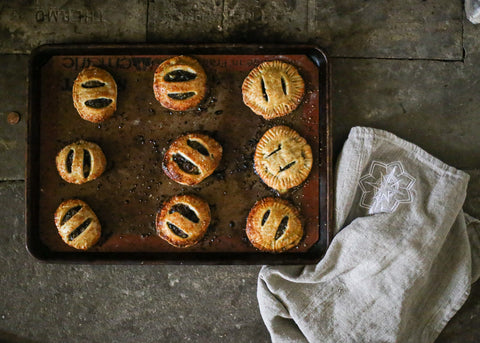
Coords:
180,83
273,89
81,162
192,158
274,225
94,84
77,224
283,159
183,220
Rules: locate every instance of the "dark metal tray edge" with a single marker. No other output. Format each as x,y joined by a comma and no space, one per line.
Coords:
39,251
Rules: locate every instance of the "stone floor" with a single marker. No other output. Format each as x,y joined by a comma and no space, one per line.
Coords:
410,67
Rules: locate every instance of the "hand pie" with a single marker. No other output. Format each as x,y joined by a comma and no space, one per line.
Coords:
180,83
81,162
192,158
274,225
283,159
77,224
183,220
273,89
95,94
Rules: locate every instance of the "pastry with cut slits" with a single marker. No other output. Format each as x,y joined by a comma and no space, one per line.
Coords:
191,158
283,159
95,94
180,83
274,225
273,89
81,162
183,220
77,224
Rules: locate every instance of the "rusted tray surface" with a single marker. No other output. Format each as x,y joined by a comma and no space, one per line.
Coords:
128,195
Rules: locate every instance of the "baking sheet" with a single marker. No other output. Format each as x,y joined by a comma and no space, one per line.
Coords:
128,195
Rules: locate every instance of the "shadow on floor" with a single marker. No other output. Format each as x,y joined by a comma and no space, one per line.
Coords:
7,337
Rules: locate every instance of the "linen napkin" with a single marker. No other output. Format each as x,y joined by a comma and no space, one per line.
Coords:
401,262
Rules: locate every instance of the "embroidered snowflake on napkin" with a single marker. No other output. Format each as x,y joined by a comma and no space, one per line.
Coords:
386,186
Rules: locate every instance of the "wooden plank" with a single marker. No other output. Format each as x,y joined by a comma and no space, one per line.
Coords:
13,98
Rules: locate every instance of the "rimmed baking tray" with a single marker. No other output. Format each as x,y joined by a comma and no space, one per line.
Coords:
128,195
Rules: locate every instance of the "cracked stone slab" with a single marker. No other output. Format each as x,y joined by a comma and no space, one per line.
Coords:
432,104
345,28
13,97
180,21
471,44
388,29
266,21
27,24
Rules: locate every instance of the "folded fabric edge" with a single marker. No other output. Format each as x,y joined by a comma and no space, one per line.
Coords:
472,11
473,231
437,329
276,316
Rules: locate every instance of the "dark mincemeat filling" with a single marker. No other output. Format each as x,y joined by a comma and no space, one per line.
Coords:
98,103
264,91
281,228
265,217
275,151
288,166
79,230
93,84
186,165
70,213
176,230
69,161
87,163
284,86
179,76
181,96
198,146
185,211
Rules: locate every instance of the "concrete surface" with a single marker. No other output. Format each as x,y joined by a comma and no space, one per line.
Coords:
410,67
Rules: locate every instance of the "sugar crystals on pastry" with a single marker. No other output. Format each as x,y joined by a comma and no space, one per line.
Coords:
183,220
273,89
77,224
180,83
283,159
274,225
80,162
191,158
95,94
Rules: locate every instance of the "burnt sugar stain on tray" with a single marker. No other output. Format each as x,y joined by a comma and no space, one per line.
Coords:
127,197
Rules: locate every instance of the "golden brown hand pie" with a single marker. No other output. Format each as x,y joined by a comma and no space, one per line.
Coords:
192,158
183,220
180,83
81,162
274,225
95,94
273,89
283,159
77,224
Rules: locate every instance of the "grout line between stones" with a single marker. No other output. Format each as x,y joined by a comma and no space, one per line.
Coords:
398,59
222,20
146,21
463,31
